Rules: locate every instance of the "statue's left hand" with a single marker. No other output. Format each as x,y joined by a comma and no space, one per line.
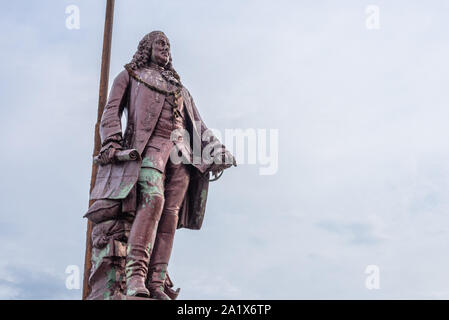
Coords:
229,158
227,161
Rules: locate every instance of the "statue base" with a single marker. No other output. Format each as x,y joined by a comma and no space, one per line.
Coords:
107,278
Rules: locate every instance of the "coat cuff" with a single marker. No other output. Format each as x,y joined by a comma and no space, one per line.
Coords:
114,141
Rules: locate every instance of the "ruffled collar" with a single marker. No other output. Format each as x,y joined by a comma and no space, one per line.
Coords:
160,81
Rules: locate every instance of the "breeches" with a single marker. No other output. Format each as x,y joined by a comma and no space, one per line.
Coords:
160,196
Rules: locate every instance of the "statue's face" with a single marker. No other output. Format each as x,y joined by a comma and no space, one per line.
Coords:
161,51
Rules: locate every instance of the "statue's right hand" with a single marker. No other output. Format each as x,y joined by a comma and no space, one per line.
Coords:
106,156
108,149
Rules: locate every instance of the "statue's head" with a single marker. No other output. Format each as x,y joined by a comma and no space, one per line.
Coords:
153,48
160,48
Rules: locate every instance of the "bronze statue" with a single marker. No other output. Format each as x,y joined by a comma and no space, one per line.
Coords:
151,180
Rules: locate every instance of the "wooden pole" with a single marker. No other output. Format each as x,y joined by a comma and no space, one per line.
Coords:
103,92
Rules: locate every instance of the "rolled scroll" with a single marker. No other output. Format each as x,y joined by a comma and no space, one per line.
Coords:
123,155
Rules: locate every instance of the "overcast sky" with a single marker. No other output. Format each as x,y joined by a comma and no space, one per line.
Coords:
363,144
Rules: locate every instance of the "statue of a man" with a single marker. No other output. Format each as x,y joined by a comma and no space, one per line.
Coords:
155,192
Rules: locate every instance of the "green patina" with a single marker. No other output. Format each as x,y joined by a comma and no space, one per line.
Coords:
131,292
111,278
107,295
124,189
128,270
129,262
96,258
111,283
155,189
150,175
150,183
147,163
163,273
148,249
148,198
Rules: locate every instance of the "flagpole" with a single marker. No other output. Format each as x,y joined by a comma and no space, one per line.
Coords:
103,92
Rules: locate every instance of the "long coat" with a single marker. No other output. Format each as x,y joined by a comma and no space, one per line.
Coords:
142,94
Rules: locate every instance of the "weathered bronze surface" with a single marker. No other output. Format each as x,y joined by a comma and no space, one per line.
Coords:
141,194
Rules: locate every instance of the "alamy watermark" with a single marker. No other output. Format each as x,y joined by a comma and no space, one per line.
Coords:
249,146
372,21
372,281
73,280
72,21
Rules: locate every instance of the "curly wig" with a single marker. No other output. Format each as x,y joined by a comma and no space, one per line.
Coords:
142,57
